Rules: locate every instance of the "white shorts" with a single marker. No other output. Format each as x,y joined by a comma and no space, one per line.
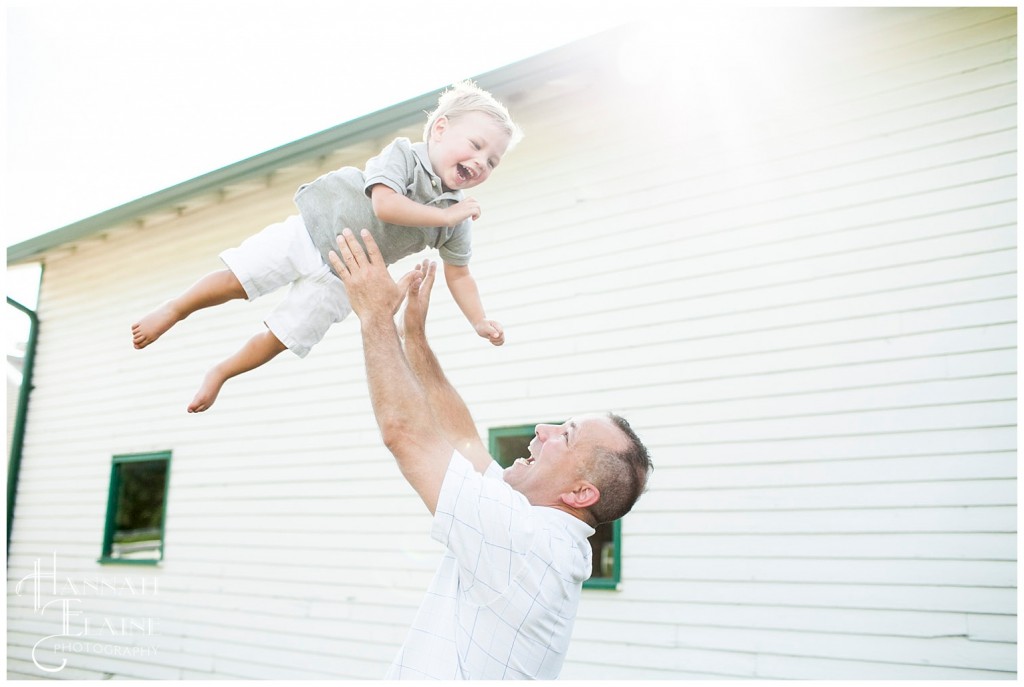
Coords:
283,254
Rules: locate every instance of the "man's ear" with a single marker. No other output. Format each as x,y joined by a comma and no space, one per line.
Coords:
584,495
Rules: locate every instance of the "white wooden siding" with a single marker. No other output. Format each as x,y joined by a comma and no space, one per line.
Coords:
806,308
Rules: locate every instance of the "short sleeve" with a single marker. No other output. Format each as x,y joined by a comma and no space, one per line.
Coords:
393,167
486,525
458,248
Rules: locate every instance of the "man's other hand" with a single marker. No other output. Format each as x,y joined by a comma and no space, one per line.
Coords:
371,290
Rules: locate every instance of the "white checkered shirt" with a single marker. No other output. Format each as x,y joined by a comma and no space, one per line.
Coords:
503,600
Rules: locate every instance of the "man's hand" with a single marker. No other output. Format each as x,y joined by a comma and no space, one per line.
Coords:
371,290
418,299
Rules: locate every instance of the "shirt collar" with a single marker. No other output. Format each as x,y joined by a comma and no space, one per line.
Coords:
571,523
420,150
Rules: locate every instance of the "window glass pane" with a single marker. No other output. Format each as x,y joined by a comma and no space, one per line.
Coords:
138,510
511,447
603,543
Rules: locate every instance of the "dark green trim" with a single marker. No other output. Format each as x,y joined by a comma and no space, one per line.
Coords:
18,432
112,494
616,578
127,561
142,457
586,55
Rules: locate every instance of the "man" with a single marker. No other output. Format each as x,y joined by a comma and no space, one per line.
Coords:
503,601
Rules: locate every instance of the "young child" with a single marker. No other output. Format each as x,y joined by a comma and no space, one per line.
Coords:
410,196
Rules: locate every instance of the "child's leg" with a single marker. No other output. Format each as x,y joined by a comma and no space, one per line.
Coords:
256,351
213,289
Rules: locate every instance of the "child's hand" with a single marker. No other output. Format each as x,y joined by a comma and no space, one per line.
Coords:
461,210
491,330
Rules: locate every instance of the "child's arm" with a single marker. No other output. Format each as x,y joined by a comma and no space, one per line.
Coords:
466,294
394,208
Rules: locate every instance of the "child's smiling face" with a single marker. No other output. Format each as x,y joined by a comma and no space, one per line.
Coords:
464,151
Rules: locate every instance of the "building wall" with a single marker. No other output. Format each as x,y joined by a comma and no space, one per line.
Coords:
787,258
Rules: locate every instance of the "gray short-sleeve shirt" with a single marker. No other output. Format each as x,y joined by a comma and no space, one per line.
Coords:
339,199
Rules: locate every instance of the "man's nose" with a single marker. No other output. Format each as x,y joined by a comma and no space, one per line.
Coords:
543,431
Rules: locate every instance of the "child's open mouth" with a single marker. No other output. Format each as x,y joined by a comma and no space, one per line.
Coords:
463,173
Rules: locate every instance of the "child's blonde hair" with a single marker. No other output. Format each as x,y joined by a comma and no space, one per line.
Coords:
465,97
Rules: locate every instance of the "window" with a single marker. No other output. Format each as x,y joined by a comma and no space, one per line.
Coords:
136,508
509,443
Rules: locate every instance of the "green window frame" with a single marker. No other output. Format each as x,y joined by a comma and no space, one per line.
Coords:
508,443
133,531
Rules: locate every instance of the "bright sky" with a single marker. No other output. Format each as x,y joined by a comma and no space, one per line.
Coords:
108,101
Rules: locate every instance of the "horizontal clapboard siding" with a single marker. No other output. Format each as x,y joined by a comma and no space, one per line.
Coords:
805,303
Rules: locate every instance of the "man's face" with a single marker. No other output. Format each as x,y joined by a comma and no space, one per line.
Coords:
464,151
557,456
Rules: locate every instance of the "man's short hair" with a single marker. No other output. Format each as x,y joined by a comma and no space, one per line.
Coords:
621,476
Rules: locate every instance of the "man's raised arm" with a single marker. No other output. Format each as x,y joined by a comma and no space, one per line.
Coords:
451,411
406,423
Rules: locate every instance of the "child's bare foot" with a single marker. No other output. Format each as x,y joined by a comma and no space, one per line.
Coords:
207,393
152,326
